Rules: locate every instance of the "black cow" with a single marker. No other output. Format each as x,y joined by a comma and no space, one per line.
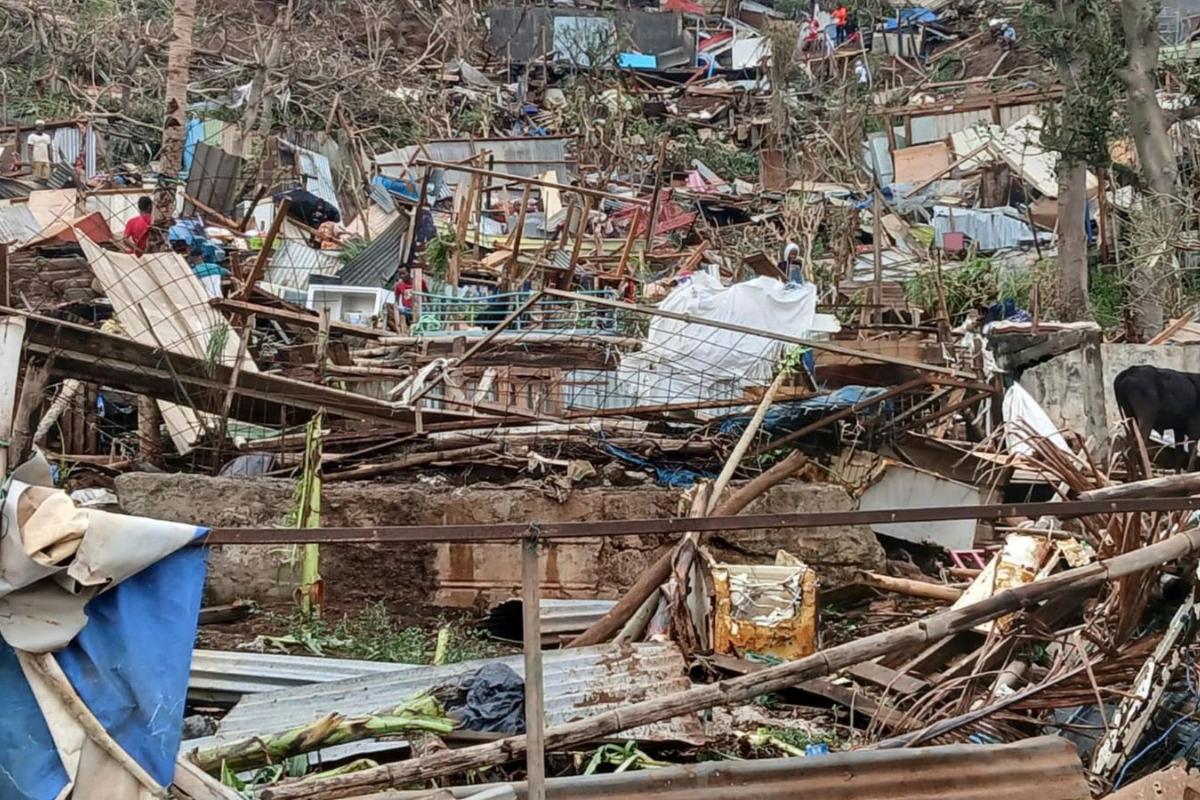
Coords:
1161,400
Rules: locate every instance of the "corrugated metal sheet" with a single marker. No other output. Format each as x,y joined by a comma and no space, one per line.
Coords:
578,683
1047,767
557,618
61,176
17,224
117,209
13,189
213,180
318,177
294,260
527,157
379,260
219,676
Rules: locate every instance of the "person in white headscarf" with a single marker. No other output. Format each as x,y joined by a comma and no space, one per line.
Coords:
790,267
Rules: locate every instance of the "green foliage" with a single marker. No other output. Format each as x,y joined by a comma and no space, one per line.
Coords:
438,252
372,635
216,348
622,758
801,739
352,249
976,282
1107,293
947,68
1081,41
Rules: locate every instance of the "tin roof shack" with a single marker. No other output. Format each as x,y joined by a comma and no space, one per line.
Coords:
586,38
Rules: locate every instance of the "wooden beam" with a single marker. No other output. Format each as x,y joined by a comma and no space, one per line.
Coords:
264,255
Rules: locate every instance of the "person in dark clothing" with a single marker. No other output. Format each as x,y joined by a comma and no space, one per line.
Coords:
306,207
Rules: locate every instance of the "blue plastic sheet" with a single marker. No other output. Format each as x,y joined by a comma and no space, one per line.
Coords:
665,475
783,418
129,664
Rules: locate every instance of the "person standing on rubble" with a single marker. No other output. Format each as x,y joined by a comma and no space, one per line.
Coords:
137,230
839,20
39,151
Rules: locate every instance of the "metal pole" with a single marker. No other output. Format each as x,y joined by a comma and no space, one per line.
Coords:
535,758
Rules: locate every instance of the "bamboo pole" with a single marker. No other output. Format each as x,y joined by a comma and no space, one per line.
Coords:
534,699
933,591
772,679
414,460
12,337
311,588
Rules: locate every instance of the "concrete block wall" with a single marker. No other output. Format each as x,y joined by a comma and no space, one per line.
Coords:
475,574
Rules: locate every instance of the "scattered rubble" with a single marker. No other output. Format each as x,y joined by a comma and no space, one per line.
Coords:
729,360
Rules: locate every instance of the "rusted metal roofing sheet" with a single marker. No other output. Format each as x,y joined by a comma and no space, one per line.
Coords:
214,180
1046,767
578,683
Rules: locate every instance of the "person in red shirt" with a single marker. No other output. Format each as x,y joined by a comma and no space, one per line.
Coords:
137,230
839,19
404,291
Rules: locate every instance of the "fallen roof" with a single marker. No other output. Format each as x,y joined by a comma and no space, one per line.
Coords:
577,683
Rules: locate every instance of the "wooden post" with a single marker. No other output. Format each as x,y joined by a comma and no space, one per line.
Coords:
660,162
534,717
877,248
12,336
580,233
264,255
1103,212
149,430
511,270
4,288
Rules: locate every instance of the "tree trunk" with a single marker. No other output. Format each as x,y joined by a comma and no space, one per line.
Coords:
1072,286
1147,124
1073,303
1153,276
179,59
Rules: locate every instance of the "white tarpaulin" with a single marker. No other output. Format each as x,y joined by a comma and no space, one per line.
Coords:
1024,419
689,362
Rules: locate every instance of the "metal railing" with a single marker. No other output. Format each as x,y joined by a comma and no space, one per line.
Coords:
450,315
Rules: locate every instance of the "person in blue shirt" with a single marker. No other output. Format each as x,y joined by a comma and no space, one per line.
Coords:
205,259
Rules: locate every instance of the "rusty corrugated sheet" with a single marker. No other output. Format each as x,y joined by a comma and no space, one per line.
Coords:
1047,768
578,683
213,180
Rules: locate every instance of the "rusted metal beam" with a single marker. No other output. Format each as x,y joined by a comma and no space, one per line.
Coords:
517,531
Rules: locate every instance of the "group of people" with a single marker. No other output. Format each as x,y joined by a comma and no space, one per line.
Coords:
204,257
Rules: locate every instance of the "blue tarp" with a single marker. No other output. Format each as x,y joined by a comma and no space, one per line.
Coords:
195,135
783,418
129,664
666,475
910,16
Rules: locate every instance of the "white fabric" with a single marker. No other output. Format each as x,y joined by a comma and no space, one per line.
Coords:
41,604
1024,419
212,285
689,362
39,146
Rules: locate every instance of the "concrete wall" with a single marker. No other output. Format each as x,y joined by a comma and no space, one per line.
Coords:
469,574
1066,391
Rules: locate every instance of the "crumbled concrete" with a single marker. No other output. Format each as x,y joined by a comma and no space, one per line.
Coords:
466,574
